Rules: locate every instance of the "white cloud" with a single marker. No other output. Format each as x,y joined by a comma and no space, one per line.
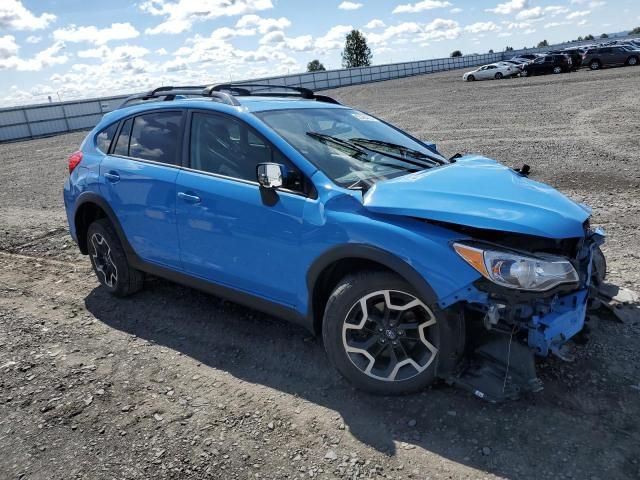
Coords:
507,8
583,13
556,24
161,52
278,38
479,27
441,29
8,47
181,14
375,23
393,32
120,53
33,39
9,59
591,3
263,25
350,6
531,13
455,10
334,38
97,36
421,6
554,10
15,16
539,12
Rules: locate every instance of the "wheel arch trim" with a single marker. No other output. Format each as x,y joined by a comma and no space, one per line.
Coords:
91,197
370,253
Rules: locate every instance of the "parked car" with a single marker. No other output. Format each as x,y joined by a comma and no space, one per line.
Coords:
597,58
575,54
528,57
513,63
495,71
548,64
410,266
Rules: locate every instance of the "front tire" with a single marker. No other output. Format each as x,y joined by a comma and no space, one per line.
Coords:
632,61
380,336
595,65
498,76
109,261
557,70
471,78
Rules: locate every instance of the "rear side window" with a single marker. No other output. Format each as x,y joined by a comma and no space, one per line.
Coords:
156,137
105,137
122,145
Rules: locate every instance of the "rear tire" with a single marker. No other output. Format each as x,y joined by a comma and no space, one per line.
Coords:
632,61
109,261
380,336
595,65
498,76
557,70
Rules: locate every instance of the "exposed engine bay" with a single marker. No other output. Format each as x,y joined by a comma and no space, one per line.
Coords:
504,329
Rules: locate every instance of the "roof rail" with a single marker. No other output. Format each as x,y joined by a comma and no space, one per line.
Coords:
266,90
168,93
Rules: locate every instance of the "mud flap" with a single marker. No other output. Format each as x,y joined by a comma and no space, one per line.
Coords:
501,369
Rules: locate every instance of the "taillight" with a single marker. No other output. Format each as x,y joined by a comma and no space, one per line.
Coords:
74,160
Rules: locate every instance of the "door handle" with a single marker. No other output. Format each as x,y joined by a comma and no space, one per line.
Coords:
113,177
189,197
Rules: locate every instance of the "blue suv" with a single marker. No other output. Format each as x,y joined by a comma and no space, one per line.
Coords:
413,267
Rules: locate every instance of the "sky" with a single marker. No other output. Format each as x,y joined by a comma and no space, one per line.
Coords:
71,49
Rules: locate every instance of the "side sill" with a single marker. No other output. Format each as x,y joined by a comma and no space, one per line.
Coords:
245,299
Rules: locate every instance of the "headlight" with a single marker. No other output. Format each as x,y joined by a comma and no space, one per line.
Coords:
518,271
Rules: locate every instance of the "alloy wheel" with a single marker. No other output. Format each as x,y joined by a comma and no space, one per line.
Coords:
101,255
386,335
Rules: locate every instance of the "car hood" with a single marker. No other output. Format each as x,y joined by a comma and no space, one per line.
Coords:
479,192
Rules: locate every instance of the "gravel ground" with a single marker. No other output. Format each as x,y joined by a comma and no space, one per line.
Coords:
172,383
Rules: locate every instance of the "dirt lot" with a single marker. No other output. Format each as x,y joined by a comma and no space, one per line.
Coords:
172,383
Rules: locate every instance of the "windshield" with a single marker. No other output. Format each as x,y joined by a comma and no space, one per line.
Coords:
352,148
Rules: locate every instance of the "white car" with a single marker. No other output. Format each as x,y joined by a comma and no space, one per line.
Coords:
491,71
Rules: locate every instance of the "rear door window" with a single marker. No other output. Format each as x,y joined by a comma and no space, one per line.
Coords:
122,145
156,137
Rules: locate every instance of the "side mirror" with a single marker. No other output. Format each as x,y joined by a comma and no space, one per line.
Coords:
271,175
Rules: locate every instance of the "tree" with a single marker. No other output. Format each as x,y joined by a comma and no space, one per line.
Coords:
589,37
491,50
604,35
543,43
508,49
456,53
580,38
315,66
635,31
356,52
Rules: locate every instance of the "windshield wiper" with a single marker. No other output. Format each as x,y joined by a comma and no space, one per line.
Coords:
362,152
415,154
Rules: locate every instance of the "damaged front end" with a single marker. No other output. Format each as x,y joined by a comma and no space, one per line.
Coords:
528,303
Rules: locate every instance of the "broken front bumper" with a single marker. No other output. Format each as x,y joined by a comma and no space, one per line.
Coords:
566,314
517,325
